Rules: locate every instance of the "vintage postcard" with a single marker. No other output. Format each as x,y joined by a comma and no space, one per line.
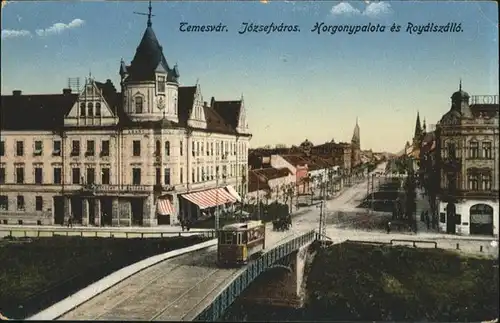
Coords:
249,160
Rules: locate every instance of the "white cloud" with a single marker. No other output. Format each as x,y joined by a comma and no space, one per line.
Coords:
372,10
11,33
344,9
377,9
59,27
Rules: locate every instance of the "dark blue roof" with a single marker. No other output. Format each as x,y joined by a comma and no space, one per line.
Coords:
148,57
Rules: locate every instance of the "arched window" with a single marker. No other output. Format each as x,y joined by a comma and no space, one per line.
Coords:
98,109
158,148
167,148
82,110
481,209
90,108
139,103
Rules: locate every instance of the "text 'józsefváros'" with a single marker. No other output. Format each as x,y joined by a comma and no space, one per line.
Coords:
321,27
451,27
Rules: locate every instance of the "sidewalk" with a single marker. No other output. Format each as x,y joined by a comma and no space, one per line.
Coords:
158,229
422,205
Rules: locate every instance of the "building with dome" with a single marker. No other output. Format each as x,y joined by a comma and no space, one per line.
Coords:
149,153
467,139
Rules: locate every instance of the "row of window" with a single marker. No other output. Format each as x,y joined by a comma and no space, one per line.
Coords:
474,151
199,174
139,103
222,148
479,182
56,148
21,203
209,173
87,109
475,182
19,175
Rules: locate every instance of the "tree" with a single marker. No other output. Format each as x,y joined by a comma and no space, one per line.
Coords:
288,193
410,198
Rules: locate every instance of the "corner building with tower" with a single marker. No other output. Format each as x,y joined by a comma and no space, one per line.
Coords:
152,153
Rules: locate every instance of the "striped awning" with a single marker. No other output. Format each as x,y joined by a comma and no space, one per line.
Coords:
233,192
210,198
164,207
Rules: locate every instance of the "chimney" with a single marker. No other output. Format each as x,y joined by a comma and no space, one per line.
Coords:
16,92
66,91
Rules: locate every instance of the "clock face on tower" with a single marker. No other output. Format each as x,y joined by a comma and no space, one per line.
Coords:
161,103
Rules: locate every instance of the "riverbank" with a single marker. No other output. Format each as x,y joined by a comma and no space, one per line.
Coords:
352,282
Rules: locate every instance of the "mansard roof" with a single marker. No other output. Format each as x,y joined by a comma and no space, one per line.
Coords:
229,110
47,111
35,112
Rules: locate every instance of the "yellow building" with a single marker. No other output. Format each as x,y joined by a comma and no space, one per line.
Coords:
144,155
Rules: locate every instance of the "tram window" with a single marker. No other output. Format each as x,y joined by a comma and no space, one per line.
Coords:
229,238
239,239
245,237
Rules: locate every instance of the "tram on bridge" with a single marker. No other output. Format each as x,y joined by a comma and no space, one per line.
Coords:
240,242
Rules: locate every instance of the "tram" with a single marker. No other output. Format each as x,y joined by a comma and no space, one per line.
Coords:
240,242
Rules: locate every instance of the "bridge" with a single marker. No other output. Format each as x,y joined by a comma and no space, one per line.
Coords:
191,287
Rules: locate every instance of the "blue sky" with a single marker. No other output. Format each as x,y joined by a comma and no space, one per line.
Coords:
296,85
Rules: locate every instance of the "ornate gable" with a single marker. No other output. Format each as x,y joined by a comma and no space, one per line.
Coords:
90,109
242,126
197,117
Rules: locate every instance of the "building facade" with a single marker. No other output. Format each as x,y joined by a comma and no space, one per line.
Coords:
149,154
468,145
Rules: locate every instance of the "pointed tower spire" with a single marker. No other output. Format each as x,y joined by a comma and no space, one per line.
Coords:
418,127
460,85
149,14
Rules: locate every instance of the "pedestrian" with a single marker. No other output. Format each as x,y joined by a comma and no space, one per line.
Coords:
422,216
388,227
70,221
188,224
428,221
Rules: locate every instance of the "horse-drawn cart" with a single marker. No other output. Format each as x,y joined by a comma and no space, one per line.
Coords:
282,223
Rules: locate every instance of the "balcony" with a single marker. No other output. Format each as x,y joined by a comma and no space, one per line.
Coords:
163,188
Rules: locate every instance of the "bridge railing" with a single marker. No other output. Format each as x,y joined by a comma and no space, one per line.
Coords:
248,274
37,233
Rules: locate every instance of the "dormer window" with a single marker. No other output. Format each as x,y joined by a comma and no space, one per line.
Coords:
90,108
82,110
161,84
139,103
98,109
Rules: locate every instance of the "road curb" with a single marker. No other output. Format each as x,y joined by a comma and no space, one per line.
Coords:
89,292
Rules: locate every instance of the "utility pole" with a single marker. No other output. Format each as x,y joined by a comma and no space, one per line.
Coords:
373,191
322,222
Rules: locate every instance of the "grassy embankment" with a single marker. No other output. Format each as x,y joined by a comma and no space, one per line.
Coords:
355,282
36,273
364,282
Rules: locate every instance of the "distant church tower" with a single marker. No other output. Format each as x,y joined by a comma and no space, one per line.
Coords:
417,135
356,146
149,85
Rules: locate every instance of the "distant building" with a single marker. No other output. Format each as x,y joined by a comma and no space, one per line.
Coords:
356,147
141,156
468,145
341,153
